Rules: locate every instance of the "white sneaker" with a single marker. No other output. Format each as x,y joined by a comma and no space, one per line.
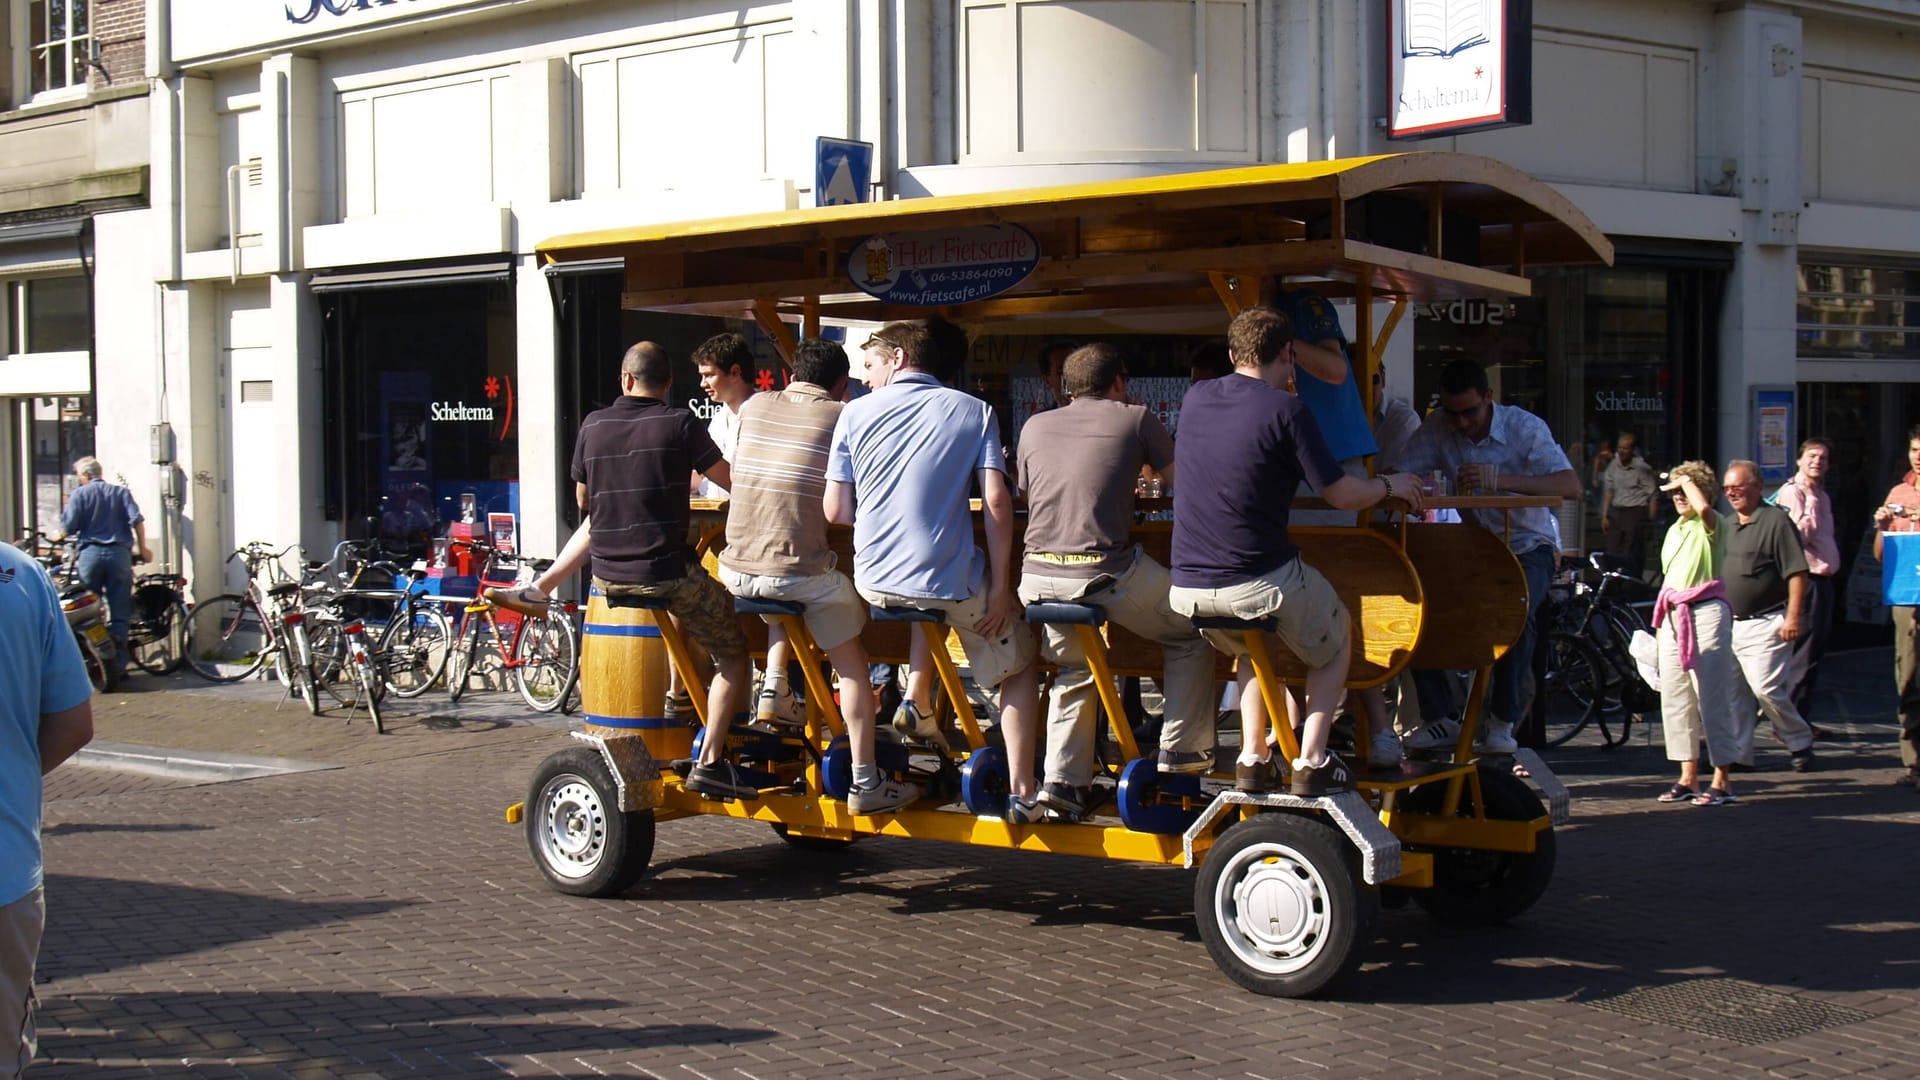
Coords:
778,707
1385,751
916,725
887,796
1439,735
1495,738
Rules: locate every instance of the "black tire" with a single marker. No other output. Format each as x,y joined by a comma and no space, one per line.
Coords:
547,662
229,638
1486,888
460,659
327,659
814,843
99,672
413,650
300,668
160,645
1576,687
578,836
1295,872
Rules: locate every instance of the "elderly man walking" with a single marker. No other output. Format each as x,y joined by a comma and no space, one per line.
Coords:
1765,576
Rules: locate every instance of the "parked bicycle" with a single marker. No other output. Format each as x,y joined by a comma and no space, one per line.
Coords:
1590,677
542,654
236,633
160,631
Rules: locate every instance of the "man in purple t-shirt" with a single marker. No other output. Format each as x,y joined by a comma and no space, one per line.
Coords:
1245,445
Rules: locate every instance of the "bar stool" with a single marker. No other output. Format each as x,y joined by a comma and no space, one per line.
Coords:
1273,693
831,773
1086,620
983,776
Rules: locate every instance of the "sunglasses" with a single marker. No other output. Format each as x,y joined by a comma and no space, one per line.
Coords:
878,340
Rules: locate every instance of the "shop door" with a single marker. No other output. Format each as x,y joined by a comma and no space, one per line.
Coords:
251,450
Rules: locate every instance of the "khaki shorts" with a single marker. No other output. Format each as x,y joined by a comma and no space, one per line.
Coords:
21,924
702,607
992,659
1312,620
835,612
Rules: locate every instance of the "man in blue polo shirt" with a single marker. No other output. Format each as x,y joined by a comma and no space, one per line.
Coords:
1245,445
46,713
902,462
105,524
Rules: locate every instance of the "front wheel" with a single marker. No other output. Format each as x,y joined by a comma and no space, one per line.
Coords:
579,837
1474,887
99,671
300,668
1280,907
460,661
545,661
1576,687
413,651
227,638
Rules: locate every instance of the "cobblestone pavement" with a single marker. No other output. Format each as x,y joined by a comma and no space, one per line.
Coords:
381,920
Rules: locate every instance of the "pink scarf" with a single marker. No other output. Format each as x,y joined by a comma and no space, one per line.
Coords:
1682,601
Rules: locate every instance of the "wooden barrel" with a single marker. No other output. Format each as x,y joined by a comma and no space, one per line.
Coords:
623,679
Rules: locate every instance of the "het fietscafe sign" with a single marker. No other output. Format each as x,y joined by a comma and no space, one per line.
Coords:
1458,65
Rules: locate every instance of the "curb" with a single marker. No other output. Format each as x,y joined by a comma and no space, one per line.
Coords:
204,765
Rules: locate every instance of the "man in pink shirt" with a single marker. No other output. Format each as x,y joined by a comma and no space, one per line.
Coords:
1804,498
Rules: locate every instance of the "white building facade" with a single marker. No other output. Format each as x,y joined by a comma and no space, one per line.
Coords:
334,304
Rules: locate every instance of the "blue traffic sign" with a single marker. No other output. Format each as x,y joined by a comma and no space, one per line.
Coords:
842,171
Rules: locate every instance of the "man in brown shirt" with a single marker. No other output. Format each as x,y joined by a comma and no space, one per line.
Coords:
777,546
1077,467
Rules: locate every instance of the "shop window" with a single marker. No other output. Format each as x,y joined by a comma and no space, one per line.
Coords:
48,315
1858,312
61,44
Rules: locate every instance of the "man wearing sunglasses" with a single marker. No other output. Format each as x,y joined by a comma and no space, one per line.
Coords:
1492,449
901,464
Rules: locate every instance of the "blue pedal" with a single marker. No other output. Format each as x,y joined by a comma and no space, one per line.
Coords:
1143,787
983,782
891,757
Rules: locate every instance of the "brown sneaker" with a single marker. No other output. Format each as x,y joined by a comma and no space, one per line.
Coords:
1330,777
1254,779
526,600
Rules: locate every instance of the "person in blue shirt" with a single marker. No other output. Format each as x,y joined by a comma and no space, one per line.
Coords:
46,714
106,526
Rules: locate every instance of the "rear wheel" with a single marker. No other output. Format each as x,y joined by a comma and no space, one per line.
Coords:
99,671
1576,687
546,656
299,668
579,837
1280,906
160,644
460,661
413,651
228,638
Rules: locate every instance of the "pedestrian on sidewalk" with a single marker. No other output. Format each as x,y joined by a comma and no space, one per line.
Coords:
1899,512
1805,500
106,528
1695,628
46,714
1765,574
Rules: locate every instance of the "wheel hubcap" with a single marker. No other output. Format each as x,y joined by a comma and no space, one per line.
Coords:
1273,904
572,827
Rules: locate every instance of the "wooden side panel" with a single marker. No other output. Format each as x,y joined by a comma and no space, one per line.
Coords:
1476,596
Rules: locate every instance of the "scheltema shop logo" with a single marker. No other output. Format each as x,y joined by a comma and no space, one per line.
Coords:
497,388
301,12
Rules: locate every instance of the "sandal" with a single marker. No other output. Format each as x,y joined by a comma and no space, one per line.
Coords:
526,600
1714,796
1678,793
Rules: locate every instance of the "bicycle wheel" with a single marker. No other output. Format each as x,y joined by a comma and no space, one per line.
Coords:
373,686
300,667
546,661
413,651
460,661
228,638
159,644
359,682
327,659
1575,687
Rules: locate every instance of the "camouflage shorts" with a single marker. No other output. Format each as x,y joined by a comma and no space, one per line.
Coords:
702,606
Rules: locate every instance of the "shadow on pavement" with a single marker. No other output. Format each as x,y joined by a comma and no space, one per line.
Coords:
96,925
330,1033
75,828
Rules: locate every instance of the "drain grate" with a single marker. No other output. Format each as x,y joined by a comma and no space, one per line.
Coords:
1730,1009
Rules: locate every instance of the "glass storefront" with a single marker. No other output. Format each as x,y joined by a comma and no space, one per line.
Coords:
1597,353
422,407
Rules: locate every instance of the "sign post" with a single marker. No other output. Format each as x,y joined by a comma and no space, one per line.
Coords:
842,171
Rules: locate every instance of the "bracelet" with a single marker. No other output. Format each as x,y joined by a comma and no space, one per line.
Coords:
1386,482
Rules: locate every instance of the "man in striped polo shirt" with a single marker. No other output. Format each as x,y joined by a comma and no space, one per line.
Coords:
777,546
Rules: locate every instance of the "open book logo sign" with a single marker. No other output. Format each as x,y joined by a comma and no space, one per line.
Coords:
1444,28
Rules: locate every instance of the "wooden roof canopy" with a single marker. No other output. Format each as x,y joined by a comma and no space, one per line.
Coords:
1418,225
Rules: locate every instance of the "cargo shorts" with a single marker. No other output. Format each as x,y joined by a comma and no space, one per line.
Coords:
1311,620
702,606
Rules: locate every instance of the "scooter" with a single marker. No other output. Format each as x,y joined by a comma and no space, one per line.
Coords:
85,617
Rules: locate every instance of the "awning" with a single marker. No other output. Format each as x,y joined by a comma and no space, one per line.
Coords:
1418,225
40,231
412,276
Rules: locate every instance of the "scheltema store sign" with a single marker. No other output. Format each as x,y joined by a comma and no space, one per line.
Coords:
208,29
1458,65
